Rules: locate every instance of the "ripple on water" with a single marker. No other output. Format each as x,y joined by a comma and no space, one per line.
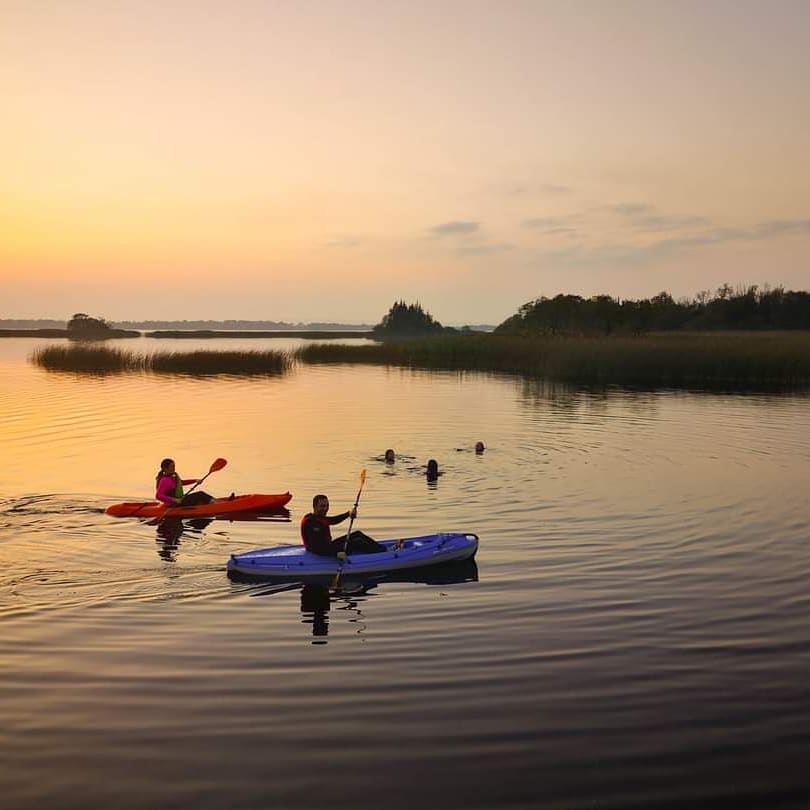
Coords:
636,632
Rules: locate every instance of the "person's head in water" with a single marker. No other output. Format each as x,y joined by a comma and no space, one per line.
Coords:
479,447
432,470
390,458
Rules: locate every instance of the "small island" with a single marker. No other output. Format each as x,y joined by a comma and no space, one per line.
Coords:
80,327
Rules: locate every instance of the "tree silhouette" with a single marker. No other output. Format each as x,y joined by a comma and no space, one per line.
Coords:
743,308
407,320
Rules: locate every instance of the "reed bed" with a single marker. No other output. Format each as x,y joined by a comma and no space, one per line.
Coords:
721,361
87,359
729,361
216,362
102,360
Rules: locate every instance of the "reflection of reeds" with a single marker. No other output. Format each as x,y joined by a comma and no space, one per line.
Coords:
678,360
100,359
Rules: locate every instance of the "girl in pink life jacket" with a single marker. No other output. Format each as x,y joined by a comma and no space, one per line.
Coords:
169,487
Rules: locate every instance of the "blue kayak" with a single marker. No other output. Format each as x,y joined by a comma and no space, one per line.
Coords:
411,552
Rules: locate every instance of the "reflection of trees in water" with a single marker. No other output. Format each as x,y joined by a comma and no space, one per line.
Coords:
573,401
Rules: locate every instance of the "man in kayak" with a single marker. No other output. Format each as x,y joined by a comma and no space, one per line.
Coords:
317,534
169,487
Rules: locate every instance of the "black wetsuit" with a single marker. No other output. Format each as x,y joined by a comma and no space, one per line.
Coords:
317,537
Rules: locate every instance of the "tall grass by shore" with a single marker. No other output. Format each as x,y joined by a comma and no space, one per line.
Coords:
103,360
214,362
675,360
719,361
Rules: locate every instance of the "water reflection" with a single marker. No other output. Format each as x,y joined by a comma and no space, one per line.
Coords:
315,604
318,596
170,530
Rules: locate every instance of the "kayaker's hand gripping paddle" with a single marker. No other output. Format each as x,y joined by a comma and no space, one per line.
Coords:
216,465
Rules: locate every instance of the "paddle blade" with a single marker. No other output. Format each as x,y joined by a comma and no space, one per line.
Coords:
218,464
363,477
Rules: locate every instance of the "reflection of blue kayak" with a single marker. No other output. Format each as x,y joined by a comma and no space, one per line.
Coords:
443,574
415,552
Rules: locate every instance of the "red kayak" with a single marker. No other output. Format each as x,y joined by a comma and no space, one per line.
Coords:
219,506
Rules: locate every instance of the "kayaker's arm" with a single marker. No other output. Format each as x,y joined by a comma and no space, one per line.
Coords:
333,519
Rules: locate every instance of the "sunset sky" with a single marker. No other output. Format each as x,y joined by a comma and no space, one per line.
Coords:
307,160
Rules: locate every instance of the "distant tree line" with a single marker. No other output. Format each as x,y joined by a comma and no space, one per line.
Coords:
243,325
744,308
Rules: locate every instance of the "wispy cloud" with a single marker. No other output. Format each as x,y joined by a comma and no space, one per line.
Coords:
546,189
780,227
455,228
344,242
552,188
553,226
631,209
484,249
626,253
663,223
770,229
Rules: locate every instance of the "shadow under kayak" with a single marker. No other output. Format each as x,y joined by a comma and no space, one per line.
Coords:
219,506
296,562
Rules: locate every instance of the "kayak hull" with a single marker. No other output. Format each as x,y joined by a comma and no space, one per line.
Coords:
295,562
219,506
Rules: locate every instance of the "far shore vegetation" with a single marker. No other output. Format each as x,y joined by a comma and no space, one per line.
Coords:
746,308
747,339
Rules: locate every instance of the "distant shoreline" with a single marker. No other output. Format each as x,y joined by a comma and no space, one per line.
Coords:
216,333
189,333
64,333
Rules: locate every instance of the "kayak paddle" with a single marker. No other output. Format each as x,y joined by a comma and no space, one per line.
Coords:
336,581
216,465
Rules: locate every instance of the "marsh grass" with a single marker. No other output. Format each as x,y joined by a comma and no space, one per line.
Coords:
218,362
719,361
84,358
747,360
103,360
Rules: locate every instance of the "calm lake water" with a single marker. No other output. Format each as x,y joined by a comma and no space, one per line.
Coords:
635,631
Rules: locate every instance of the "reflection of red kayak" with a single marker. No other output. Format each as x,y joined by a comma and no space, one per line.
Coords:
219,506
